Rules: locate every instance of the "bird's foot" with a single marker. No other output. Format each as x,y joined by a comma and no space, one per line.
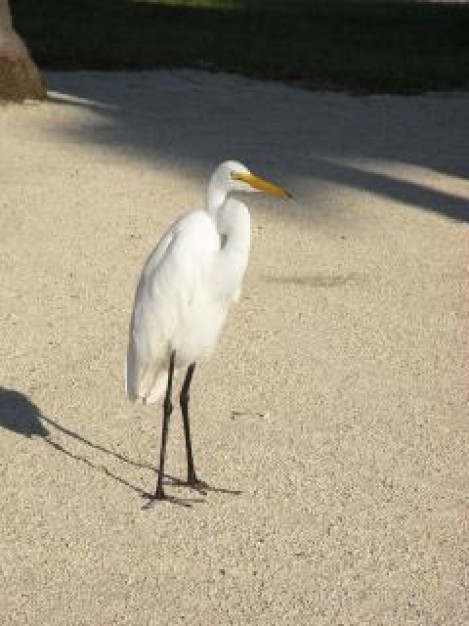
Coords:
198,485
159,494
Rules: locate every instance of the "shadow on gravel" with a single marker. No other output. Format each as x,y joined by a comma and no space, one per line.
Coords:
18,414
308,141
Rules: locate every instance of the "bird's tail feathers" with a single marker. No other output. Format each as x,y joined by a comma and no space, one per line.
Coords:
143,383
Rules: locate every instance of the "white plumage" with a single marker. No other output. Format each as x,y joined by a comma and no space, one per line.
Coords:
188,283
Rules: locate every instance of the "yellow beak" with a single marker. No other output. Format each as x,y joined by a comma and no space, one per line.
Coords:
262,185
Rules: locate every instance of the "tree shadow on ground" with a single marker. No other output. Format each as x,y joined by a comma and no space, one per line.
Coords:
190,121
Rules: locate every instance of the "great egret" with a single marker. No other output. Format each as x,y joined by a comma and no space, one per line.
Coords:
183,297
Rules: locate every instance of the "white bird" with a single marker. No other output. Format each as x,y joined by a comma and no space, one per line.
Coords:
186,287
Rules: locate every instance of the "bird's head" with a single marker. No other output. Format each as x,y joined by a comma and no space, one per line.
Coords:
232,176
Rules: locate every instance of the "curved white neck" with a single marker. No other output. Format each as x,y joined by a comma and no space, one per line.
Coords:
233,223
231,218
216,198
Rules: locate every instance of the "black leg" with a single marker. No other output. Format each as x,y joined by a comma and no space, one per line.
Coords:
167,409
184,400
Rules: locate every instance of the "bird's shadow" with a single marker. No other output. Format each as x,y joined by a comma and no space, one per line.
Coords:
20,415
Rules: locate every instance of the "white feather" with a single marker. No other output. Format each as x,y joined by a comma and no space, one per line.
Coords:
187,285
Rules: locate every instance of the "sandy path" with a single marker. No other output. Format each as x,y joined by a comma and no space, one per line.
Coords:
335,404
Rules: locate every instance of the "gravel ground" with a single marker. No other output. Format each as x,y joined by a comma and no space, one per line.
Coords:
332,421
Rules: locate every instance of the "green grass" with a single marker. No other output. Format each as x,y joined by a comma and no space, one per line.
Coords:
379,47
